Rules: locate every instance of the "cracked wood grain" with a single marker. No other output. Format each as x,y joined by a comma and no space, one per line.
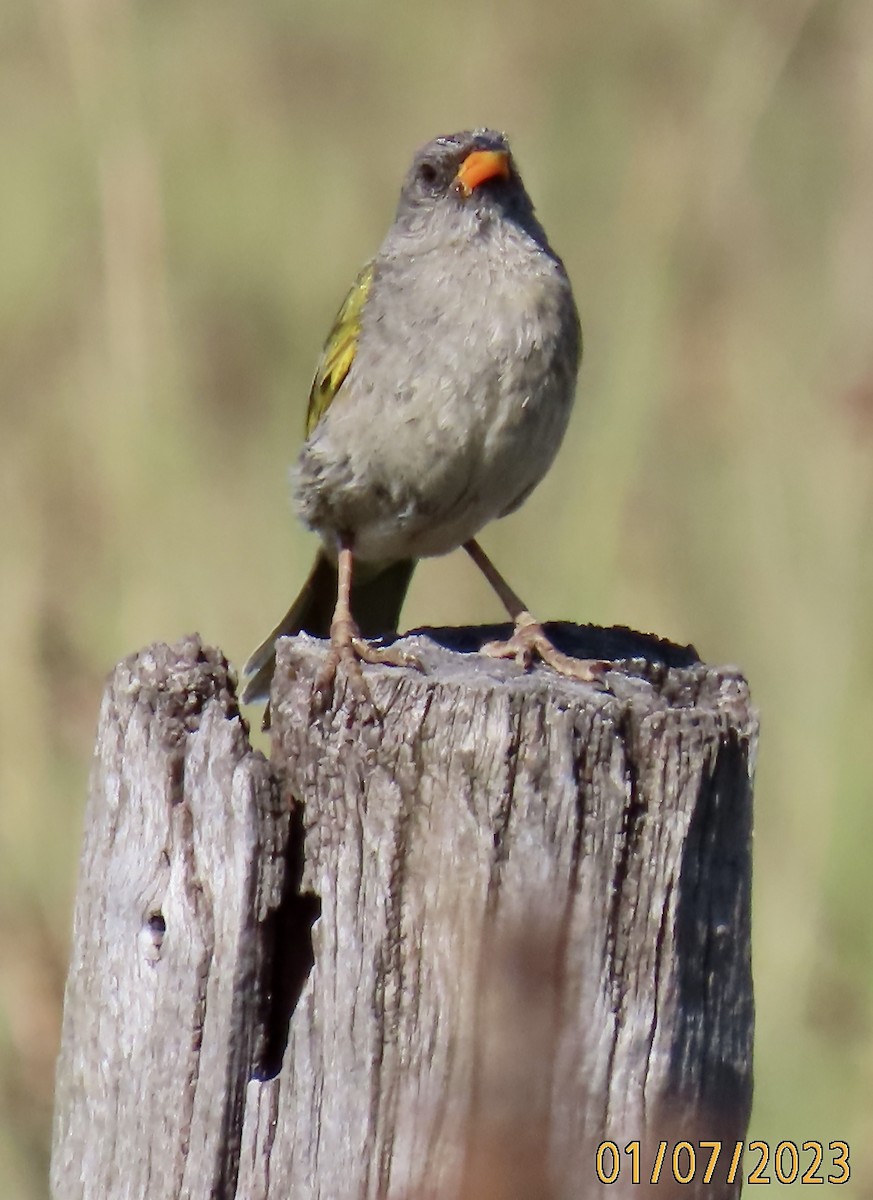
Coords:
441,953
534,927
181,866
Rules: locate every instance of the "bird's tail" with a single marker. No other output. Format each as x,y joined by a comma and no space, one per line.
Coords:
377,598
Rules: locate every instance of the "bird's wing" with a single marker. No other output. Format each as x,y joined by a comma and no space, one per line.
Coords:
339,349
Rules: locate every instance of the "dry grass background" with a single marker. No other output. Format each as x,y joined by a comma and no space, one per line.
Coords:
187,189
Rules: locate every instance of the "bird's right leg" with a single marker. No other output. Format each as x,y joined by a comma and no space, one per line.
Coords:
346,644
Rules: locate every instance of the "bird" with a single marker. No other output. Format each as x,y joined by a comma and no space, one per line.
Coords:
440,400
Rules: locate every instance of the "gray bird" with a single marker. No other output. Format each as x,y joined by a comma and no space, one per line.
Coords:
439,402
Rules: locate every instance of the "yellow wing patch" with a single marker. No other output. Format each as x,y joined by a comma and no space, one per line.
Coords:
339,349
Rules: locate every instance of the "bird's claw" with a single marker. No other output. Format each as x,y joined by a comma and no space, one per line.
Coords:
529,642
348,649
385,656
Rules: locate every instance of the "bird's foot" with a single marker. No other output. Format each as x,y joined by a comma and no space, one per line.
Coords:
529,642
348,649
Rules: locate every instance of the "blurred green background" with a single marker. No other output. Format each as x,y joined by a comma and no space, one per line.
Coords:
186,191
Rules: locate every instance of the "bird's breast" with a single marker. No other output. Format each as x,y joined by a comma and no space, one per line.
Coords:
454,407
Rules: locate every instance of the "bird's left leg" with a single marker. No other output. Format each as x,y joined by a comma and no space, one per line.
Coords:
346,644
529,640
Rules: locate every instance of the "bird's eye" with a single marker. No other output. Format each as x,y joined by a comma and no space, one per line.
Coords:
428,174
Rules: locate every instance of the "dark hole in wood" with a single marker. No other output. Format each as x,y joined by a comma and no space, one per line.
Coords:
288,934
151,938
616,643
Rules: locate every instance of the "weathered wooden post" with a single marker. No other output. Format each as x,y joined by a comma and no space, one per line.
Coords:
448,953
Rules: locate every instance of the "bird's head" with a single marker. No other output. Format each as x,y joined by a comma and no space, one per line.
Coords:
462,178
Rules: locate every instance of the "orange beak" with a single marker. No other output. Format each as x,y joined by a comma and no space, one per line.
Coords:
479,167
